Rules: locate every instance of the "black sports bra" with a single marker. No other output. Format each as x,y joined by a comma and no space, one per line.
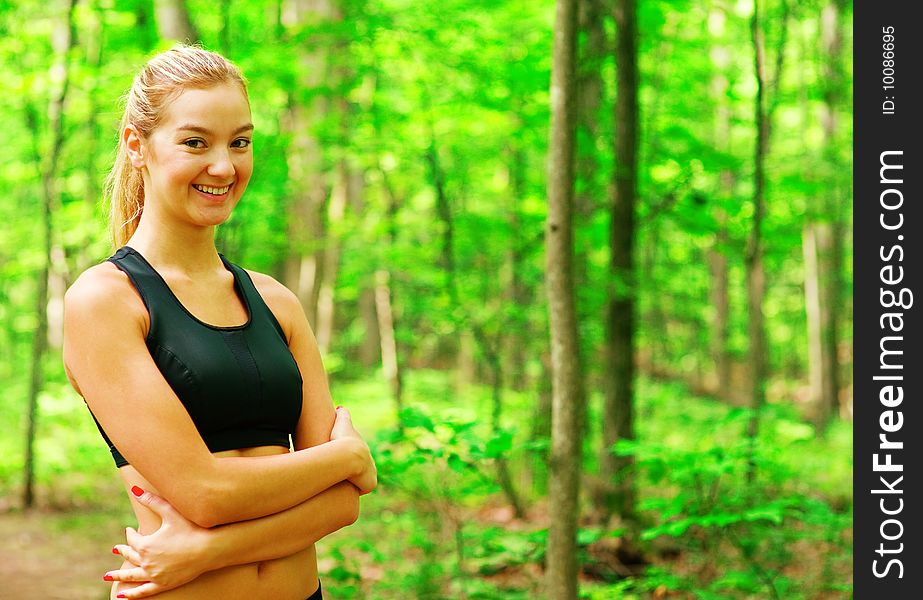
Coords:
241,385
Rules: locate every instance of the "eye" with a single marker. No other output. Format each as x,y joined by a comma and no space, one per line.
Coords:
243,143
191,143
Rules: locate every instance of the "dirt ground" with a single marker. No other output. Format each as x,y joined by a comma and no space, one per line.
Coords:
50,555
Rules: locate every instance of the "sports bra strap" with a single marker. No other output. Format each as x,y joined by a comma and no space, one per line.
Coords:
254,299
154,291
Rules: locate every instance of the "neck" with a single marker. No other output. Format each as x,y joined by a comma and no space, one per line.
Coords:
188,249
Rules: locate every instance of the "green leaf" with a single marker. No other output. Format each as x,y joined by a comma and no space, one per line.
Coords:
585,537
457,464
500,444
413,417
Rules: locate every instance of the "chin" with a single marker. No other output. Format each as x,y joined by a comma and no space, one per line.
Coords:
214,221
213,218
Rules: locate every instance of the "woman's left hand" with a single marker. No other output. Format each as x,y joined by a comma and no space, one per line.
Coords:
175,554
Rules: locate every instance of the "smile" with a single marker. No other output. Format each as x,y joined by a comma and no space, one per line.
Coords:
211,190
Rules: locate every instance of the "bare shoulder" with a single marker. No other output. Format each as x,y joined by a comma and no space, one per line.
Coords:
101,295
101,288
283,303
270,288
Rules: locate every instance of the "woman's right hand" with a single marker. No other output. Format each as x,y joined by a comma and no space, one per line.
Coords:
367,479
173,555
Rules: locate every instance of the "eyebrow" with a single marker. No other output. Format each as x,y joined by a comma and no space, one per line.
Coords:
199,129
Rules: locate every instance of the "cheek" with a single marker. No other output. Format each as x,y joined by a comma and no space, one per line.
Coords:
183,171
245,170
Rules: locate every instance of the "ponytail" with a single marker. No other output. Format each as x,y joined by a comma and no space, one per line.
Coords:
125,194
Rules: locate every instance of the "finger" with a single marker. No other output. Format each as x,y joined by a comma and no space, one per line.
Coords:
154,502
132,574
142,591
128,553
134,538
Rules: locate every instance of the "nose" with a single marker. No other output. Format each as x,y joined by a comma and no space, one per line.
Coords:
221,164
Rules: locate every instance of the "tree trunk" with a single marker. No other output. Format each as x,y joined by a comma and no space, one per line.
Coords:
495,365
475,338
388,340
618,417
94,36
384,308
719,251
57,286
756,279
754,256
63,40
567,384
590,195
173,22
462,344
589,100
307,177
541,431
444,212
370,347
346,190
822,232
658,352
814,309
516,293
325,300
718,265
721,301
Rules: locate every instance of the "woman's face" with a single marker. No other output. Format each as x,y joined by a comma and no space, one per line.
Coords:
197,163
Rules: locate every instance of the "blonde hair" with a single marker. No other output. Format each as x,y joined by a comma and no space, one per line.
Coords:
164,77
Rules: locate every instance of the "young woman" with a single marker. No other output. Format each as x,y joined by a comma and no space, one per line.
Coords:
198,371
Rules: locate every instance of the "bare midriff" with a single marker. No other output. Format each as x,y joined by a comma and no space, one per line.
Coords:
290,578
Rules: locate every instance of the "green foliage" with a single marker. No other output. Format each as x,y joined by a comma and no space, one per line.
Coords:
753,529
450,449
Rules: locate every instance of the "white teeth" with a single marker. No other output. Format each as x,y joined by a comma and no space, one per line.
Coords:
211,190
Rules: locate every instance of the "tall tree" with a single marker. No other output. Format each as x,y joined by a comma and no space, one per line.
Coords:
63,40
516,291
343,187
618,416
346,187
567,383
309,106
590,196
720,299
823,232
767,95
717,254
384,303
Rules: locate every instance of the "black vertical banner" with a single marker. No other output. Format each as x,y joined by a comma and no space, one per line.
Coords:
888,373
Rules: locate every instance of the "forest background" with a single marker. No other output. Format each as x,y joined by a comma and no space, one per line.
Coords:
401,189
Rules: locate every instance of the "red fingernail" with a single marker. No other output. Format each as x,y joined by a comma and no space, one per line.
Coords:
121,596
136,490
107,577
339,406
115,550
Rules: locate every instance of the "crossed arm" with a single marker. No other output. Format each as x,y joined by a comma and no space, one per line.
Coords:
301,496
179,551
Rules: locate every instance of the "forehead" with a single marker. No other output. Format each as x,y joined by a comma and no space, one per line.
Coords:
217,108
